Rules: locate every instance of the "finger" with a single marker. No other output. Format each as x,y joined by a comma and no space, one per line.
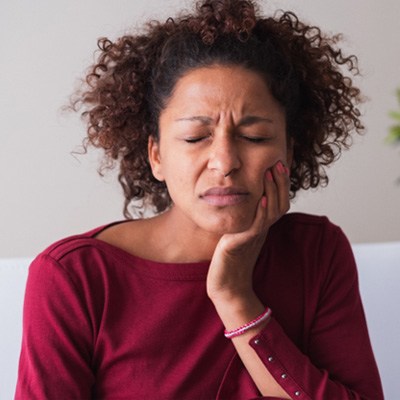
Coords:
260,220
282,180
271,193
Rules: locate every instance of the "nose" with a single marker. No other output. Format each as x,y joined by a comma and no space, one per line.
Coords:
224,155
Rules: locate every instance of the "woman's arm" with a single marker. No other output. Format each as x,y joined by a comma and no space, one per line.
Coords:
230,279
339,362
55,356
234,316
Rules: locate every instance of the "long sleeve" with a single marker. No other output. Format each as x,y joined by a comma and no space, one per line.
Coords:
97,319
339,363
55,355
100,323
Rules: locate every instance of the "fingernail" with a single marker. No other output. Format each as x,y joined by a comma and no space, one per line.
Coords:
269,176
264,202
287,171
280,167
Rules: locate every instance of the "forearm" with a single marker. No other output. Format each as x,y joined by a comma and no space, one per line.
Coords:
280,369
237,313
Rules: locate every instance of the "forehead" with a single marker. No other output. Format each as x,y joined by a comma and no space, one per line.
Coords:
230,88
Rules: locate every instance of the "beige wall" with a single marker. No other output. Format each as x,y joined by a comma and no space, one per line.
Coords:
46,193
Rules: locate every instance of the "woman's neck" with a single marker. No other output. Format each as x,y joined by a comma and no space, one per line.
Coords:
180,240
168,237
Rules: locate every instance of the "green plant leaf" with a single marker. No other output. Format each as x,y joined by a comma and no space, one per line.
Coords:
394,134
395,115
394,131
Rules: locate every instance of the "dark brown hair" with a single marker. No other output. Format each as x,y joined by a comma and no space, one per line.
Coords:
133,78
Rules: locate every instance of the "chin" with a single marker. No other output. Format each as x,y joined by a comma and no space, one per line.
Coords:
222,226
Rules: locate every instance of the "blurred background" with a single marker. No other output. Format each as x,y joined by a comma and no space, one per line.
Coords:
46,192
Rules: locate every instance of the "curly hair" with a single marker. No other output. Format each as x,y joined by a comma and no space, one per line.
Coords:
133,77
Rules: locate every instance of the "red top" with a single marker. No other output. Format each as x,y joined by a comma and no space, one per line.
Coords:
102,323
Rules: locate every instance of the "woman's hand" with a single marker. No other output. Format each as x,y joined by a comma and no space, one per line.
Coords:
230,277
231,270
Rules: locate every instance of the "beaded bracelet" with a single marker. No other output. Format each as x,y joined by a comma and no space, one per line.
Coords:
257,321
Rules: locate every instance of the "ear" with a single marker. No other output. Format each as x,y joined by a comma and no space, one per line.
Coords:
153,149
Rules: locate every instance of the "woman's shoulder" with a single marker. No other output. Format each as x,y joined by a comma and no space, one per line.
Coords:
119,240
306,221
73,244
313,242
299,218
304,228
82,259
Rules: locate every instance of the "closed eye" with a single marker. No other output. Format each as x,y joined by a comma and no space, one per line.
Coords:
195,139
255,139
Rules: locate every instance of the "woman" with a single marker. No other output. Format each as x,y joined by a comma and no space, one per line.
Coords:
216,120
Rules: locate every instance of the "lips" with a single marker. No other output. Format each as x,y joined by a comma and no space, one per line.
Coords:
224,196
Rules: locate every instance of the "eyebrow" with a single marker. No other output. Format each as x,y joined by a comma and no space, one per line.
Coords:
254,119
204,120
246,121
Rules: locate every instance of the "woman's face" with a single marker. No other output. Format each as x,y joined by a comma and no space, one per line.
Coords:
219,133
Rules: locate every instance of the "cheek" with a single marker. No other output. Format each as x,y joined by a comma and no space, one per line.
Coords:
278,153
268,160
180,168
265,163
179,176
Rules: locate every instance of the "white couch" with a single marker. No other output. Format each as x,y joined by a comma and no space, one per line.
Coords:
379,273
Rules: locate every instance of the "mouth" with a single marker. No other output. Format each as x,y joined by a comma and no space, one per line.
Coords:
224,196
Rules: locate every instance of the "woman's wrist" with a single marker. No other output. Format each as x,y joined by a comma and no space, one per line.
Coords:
254,323
239,311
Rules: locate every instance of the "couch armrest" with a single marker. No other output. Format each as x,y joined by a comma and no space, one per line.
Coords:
379,274
13,274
